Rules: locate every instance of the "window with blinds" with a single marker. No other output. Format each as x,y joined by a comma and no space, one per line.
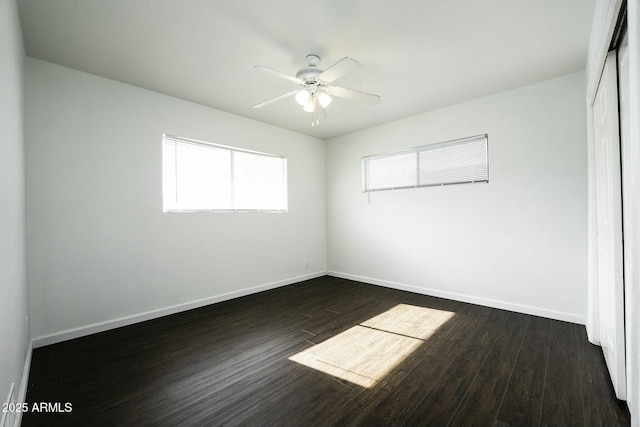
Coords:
459,161
199,176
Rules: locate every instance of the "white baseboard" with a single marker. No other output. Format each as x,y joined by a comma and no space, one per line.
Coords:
154,314
5,415
24,383
518,308
14,418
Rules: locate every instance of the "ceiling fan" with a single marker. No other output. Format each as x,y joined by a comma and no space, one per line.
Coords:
316,90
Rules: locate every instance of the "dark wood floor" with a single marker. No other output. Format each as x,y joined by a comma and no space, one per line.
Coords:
228,364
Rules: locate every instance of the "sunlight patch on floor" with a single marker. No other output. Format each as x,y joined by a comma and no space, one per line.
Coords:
366,353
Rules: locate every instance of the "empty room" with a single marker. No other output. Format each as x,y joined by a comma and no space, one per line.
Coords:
296,213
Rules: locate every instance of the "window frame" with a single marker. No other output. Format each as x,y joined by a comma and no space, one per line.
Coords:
365,162
181,140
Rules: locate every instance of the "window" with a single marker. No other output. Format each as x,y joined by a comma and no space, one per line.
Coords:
452,162
198,176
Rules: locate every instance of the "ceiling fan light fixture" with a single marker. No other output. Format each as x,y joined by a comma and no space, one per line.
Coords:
302,97
309,106
324,99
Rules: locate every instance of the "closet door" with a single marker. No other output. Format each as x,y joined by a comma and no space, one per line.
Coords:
609,218
627,187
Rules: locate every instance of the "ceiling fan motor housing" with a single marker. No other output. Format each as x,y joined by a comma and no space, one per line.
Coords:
311,72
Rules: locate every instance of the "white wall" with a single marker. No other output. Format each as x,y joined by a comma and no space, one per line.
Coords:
518,242
101,249
14,339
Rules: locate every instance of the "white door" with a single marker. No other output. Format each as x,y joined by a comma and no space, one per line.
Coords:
609,218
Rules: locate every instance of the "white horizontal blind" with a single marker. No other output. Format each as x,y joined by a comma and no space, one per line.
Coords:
397,171
199,176
258,182
452,162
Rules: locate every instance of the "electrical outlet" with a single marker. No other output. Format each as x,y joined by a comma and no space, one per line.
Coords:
306,264
27,327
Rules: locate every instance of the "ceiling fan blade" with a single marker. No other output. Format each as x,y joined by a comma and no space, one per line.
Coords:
277,98
279,74
339,69
354,95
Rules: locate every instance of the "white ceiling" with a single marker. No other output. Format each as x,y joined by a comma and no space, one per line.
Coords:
418,55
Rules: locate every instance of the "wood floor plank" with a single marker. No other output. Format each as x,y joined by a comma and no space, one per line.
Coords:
481,403
474,338
251,401
440,402
601,407
365,404
562,403
391,409
523,398
450,332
